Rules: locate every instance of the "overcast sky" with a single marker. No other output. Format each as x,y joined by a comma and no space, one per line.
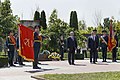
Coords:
85,8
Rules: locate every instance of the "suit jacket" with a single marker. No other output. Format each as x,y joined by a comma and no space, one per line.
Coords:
93,44
71,43
103,45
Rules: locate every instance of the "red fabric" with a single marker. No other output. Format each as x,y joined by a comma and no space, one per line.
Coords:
111,39
26,42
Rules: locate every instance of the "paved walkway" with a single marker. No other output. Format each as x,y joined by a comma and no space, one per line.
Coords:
59,67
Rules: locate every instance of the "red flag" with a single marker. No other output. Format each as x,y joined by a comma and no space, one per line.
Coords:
26,42
111,40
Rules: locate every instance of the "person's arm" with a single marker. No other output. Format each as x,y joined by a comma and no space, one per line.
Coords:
75,43
88,43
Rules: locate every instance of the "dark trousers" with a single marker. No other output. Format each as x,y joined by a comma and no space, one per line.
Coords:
104,54
114,51
85,53
11,55
71,54
93,55
36,52
61,53
20,60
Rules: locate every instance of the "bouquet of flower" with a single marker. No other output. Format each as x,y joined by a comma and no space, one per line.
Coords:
54,56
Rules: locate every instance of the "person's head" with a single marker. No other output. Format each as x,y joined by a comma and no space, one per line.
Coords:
71,33
94,31
36,28
104,32
11,33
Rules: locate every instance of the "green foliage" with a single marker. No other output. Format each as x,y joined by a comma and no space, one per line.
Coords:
82,25
74,20
37,15
106,23
7,20
43,20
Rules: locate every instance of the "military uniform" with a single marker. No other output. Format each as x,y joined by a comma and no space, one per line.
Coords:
103,45
114,50
10,43
37,45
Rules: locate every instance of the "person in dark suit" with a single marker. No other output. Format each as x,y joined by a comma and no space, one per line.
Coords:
93,42
114,50
11,43
104,44
71,46
97,37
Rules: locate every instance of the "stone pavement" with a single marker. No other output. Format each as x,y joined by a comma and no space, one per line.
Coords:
56,67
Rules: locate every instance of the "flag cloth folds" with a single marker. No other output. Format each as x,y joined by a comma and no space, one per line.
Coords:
111,40
26,38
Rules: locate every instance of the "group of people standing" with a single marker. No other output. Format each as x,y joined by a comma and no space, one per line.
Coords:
94,44
12,43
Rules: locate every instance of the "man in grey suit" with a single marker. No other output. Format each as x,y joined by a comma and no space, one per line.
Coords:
71,46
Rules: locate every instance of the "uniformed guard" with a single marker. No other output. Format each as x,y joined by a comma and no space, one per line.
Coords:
11,43
114,50
37,45
104,44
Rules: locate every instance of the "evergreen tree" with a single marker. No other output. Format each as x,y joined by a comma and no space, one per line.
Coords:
37,15
43,20
71,18
74,20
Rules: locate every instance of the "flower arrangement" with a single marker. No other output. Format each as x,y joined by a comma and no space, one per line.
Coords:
54,56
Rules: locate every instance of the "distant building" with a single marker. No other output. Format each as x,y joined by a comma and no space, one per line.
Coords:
30,22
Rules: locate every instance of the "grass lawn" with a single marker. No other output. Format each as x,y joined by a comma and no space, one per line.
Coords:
84,76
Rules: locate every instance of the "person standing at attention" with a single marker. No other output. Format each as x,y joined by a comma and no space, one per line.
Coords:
71,46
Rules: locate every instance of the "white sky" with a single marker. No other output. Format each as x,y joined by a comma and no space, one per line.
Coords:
85,8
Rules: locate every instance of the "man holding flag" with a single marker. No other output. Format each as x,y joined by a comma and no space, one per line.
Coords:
112,42
114,50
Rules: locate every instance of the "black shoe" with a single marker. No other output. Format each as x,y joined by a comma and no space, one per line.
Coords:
36,67
15,63
12,65
73,63
22,64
